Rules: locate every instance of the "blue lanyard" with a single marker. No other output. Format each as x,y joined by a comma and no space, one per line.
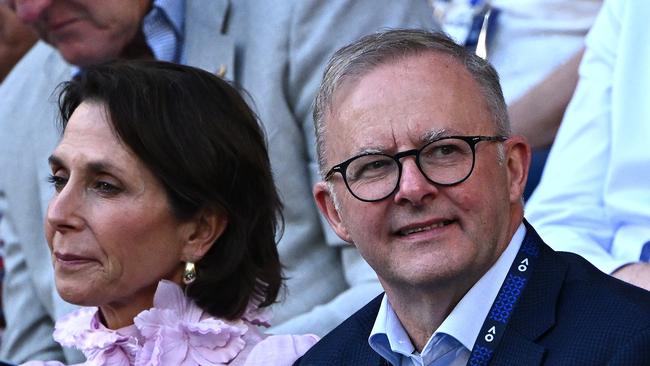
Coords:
497,320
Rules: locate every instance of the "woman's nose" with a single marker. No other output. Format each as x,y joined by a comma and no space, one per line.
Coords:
64,210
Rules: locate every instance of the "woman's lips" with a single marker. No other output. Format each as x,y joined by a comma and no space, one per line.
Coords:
68,259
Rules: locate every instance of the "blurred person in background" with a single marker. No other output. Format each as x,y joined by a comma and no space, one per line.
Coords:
274,49
15,39
594,197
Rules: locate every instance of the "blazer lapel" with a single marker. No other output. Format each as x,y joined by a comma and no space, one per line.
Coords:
207,43
365,322
535,312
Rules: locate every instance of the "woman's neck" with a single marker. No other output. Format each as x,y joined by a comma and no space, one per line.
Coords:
119,314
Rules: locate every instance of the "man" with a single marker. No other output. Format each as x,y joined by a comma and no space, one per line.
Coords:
274,49
422,176
594,197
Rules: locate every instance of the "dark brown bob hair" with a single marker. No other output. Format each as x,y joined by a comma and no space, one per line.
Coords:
200,139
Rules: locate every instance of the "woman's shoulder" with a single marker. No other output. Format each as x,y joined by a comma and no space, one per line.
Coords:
280,350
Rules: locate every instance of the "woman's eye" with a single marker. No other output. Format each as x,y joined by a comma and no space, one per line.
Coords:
106,188
57,182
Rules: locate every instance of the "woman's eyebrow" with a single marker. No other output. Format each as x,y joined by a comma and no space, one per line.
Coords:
94,167
54,160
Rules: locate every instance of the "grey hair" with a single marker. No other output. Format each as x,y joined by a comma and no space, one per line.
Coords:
359,58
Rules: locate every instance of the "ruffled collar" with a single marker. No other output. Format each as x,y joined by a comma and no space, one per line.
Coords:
174,332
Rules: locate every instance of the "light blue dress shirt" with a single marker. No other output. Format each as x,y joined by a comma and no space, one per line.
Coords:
452,342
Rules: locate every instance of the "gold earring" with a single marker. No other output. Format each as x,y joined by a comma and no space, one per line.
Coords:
189,275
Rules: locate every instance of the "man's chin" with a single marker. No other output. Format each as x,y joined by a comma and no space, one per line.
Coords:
81,55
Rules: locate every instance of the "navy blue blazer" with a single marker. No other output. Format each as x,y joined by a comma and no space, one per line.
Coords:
570,313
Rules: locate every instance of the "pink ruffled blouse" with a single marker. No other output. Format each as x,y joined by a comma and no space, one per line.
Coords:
177,332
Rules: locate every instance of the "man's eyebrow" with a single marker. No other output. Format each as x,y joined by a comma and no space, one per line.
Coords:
426,138
368,150
437,134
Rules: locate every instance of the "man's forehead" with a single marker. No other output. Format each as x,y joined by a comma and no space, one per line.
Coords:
420,97
427,77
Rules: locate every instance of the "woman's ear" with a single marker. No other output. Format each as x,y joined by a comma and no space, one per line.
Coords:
204,229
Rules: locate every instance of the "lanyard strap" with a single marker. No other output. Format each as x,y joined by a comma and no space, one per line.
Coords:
497,320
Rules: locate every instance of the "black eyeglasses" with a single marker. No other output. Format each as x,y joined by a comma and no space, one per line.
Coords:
446,161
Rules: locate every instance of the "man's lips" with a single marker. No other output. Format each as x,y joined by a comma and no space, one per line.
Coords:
54,26
424,226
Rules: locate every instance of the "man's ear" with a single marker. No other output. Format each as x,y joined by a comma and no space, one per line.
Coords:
325,203
517,160
202,232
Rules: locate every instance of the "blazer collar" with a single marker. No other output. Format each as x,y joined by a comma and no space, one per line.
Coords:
365,321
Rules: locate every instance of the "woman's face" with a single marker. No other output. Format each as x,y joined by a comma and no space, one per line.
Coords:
109,225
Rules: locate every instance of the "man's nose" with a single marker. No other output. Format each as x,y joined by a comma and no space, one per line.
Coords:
29,11
64,210
414,187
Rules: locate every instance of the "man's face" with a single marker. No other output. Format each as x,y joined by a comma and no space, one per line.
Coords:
423,234
84,31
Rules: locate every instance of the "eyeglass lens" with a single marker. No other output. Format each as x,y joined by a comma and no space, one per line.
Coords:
446,161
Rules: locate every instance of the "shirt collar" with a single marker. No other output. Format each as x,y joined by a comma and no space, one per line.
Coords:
390,340
175,12
388,337
163,29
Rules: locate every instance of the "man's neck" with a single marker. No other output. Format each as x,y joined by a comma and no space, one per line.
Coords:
422,311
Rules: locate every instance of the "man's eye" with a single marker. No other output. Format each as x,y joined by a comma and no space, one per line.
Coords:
371,169
445,150
57,182
376,165
447,153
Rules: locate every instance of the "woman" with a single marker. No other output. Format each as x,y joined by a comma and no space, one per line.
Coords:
163,223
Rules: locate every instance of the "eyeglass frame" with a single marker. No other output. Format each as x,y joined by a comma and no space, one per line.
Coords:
342,167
